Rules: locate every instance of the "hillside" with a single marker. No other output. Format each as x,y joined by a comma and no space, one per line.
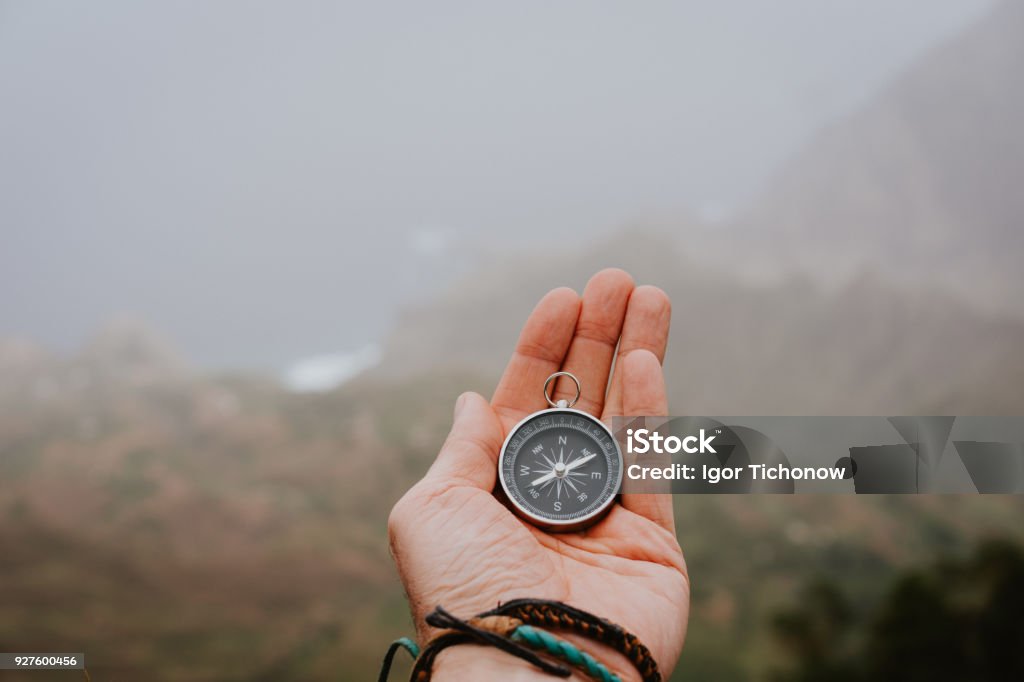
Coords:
879,273
869,347
922,184
246,526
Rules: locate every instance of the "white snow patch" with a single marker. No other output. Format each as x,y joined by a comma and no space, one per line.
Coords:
328,371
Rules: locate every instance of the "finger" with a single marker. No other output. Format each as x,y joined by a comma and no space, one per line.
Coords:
539,353
643,394
648,317
470,454
593,344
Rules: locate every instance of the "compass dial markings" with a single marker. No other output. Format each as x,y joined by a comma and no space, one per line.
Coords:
567,454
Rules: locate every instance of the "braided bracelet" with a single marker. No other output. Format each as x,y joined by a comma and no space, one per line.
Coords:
515,627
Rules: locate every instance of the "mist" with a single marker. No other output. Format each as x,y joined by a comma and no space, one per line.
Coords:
263,182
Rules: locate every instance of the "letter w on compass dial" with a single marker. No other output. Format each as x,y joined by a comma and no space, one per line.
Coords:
564,468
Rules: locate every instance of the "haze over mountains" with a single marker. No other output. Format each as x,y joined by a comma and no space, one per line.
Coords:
923,185
736,348
279,187
879,274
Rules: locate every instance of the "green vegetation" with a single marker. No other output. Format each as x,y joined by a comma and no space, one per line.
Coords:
957,619
243,537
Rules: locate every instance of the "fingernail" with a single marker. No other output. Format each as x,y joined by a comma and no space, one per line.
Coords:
460,403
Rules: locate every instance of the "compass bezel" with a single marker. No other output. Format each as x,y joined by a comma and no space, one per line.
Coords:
556,525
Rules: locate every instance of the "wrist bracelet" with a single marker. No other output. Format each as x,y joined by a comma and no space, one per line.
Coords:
516,627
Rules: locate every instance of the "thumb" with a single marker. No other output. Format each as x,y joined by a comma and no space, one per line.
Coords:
470,454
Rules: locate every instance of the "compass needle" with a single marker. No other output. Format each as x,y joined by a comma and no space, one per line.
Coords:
576,476
546,478
581,461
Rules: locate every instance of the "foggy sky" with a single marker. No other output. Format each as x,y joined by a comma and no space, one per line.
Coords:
265,181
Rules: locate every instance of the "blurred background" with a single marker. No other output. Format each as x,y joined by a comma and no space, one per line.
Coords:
251,253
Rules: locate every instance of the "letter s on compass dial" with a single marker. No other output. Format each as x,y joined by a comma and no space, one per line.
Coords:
561,469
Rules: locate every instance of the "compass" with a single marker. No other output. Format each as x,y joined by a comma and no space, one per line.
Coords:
560,468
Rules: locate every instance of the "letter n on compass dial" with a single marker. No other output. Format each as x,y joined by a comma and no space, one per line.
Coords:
561,469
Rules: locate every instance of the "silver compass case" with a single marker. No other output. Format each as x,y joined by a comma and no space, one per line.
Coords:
560,468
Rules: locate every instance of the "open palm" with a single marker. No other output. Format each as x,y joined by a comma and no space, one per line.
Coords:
458,546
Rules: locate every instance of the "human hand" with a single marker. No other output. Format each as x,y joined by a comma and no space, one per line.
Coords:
456,545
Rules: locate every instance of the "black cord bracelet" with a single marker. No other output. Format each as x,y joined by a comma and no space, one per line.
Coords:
502,627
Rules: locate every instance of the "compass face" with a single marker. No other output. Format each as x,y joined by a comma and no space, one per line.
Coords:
561,468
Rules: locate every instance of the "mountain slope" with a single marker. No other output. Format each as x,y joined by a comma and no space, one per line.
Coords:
922,184
739,348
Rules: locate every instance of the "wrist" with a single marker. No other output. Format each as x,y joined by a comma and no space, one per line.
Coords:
471,662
